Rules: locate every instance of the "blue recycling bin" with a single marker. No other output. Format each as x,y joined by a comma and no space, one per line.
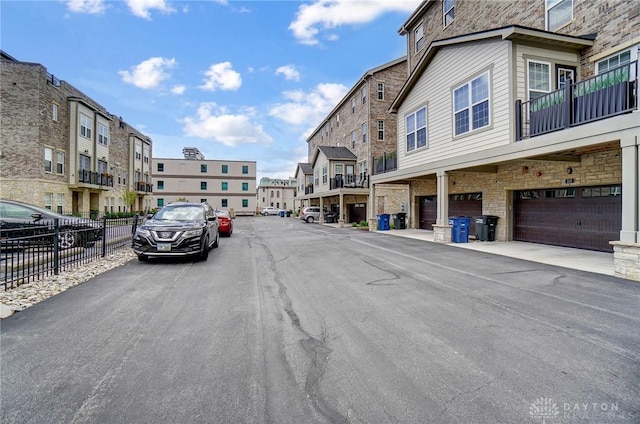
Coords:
460,228
281,214
383,221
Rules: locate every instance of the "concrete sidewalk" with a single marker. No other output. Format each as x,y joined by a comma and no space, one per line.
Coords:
584,260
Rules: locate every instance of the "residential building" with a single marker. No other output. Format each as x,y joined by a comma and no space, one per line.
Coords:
224,184
357,135
62,150
277,192
304,179
525,110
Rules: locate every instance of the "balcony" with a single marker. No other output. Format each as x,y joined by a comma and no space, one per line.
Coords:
386,163
143,187
612,93
308,189
349,181
95,178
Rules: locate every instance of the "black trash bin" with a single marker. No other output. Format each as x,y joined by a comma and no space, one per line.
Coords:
486,227
400,221
492,221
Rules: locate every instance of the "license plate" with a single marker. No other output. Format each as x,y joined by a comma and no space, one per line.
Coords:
164,247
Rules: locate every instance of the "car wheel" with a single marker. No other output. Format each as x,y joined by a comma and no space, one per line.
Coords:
143,258
67,238
310,220
216,242
204,253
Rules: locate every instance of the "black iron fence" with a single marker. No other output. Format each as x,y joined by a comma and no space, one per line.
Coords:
30,252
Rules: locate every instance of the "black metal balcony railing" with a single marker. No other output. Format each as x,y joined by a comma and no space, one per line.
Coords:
308,189
606,95
349,181
144,187
95,178
385,163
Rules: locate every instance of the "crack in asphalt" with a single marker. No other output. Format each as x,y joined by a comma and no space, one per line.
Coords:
467,392
380,281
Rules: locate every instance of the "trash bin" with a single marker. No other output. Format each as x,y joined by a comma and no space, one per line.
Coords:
330,217
288,214
400,221
383,221
281,214
486,227
459,228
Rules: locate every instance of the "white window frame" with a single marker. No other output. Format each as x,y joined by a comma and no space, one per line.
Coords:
364,95
380,130
418,36
86,123
362,168
380,91
325,174
338,169
353,139
59,162
471,103
413,128
48,159
48,201
59,202
553,4
448,12
538,90
54,112
103,134
353,105
620,61
364,132
316,177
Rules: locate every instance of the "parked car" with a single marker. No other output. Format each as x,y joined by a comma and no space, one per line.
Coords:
178,229
34,225
225,223
310,214
270,210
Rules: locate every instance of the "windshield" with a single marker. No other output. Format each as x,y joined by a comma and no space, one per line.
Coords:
180,213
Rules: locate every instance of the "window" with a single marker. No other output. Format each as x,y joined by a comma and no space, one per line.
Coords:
245,203
278,194
138,152
160,167
224,186
364,132
203,200
48,159
203,168
337,169
102,167
245,186
419,36
59,162
416,128
559,12
337,120
448,12
364,95
614,61
60,202
564,75
103,135
224,203
539,78
225,169
245,169
316,177
353,105
380,91
85,125
362,169
48,201
160,203
353,139
380,130
160,185
203,185
471,105
324,174
84,162
54,112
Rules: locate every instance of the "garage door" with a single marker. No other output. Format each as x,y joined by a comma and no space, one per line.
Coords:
468,204
583,217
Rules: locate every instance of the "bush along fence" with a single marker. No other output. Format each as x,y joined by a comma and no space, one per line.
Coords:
29,253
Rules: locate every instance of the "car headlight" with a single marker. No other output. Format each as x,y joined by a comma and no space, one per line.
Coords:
193,233
142,232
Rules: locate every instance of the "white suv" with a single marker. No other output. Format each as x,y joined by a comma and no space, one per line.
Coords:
270,210
310,214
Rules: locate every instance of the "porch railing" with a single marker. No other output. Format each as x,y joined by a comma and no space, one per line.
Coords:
308,189
144,187
385,163
349,181
95,178
606,95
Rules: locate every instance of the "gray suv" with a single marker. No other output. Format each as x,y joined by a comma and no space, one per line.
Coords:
178,229
310,214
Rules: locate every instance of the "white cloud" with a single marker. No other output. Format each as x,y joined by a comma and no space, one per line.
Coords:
149,73
214,122
290,72
329,14
141,8
93,7
178,89
221,75
310,107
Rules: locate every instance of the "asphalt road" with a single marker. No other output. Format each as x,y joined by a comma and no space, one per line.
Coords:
296,323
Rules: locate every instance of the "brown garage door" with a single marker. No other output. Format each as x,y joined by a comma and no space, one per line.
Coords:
583,217
468,204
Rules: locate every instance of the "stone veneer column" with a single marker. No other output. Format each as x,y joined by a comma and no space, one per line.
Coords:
442,229
342,214
373,222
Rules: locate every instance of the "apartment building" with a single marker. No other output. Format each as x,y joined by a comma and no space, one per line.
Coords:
358,135
224,184
526,110
62,150
277,192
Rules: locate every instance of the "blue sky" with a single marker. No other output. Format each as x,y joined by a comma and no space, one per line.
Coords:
239,80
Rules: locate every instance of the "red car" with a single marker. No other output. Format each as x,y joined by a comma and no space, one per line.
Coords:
225,223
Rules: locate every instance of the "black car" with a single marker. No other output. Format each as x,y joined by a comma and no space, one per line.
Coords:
178,229
22,224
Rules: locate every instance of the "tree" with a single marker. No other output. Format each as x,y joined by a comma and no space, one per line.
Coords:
129,197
